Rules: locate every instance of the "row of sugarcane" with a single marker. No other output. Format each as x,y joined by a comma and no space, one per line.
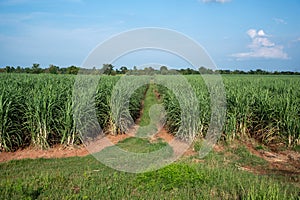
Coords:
41,110
38,110
266,108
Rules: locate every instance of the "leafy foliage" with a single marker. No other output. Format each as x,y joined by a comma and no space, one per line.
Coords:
178,175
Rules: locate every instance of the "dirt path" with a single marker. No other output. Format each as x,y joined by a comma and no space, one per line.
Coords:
58,151
284,162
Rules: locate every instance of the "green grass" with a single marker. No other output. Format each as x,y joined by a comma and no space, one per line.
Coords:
246,158
140,145
86,178
136,155
297,148
151,114
149,100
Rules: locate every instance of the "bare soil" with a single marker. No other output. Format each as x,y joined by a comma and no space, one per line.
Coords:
58,151
285,162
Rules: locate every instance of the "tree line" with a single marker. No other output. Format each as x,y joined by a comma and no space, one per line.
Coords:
109,69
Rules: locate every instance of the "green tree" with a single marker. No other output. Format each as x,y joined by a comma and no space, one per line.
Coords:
204,70
108,69
163,70
53,69
72,70
36,68
124,70
19,69
8,69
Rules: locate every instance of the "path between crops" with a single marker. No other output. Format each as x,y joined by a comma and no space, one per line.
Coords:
177,145
62,151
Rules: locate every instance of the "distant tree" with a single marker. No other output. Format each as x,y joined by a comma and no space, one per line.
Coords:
259,71
149,71
238,72
108,69
53,69
62,70
8,69
35,69
163,70
188,71
72,70
251,72
113,73
204,70
287,72
27,70
19,69
123,70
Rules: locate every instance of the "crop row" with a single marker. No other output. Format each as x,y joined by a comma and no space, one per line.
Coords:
263,107
38,110
44,110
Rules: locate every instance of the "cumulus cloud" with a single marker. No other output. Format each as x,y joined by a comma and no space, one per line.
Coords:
261,47
215,1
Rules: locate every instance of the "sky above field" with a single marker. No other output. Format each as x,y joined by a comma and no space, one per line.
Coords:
237,34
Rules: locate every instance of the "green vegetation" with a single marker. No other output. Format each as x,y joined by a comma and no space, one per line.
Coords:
109,69
152,114
136,155
38,109
263,107
149,100
87,178
140,145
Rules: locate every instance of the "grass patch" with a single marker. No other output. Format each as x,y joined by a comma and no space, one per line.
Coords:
297,148
152,114
247,158
86,178
141,145
136,155
172,177
149,101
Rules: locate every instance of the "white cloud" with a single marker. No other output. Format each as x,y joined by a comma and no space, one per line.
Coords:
215,1
261,33
261,47
252,33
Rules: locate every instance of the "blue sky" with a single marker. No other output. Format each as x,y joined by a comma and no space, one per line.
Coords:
237,34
